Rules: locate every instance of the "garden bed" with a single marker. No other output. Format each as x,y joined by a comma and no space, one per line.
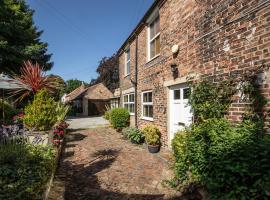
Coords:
25,169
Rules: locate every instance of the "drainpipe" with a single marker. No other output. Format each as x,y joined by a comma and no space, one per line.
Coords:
136,81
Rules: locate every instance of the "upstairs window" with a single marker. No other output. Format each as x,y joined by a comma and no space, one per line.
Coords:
127,62
154,38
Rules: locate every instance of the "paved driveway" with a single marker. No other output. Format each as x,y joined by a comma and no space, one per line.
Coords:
98,164
87,122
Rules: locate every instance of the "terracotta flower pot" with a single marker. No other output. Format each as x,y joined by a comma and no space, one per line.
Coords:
153,148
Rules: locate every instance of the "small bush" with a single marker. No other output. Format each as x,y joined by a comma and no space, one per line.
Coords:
133,134
152,135
231,162
107,115
41,113
25,170
119,118
9,112
61,111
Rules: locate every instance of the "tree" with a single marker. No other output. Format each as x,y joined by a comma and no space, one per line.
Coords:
108,72
72,84
20,38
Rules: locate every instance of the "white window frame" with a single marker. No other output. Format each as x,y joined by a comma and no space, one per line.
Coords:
127,61
147,104
129,102
151,19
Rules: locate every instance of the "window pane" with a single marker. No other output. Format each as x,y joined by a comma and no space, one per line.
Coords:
157,26
131,110
152,30
176,94
144,111
144,97
131,98
128,55
126,98
150,111
150,97
152,49
126,106
157,41
186,93
128,67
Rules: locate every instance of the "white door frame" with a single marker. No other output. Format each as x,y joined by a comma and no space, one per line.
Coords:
169,106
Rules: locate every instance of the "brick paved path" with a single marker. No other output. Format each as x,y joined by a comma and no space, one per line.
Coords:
99,164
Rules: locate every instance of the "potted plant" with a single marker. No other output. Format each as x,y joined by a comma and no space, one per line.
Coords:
134,135
152,138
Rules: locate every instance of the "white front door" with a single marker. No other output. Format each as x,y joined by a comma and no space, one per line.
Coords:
180,110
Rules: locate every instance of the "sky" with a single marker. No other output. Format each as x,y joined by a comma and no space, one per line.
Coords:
81,32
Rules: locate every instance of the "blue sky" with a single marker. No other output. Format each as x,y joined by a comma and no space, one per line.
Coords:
81,32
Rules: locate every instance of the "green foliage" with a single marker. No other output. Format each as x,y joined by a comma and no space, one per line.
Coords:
19,37
107,115
41,114
152,135
61,111
232,162
119,118
71,85
24,170
9,112
134,134
210,100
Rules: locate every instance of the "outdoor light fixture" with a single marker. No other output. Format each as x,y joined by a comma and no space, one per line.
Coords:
173,68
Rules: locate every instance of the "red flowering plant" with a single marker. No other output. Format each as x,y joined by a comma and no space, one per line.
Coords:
18,119
59,132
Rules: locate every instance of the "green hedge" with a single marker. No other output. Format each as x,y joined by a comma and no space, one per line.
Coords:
230,161
119,118
25,170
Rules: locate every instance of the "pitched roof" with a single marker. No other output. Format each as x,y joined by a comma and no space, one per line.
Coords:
75,93
98,92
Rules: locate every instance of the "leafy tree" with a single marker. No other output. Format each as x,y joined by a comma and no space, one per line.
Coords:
71,85
20,38
108,72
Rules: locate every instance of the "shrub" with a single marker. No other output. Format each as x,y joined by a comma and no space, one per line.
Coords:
152,135
9,112
61,111
210,100
107,115
41,113
25,170
119,118
231,161
134,134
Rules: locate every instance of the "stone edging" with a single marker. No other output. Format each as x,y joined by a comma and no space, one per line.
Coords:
49,184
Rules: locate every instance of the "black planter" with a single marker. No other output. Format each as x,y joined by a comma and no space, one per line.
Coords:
134,142
153,148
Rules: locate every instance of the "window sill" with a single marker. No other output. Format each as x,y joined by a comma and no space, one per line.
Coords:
151,59
131,114
148,118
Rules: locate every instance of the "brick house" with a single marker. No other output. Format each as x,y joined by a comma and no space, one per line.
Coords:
91,101
181,39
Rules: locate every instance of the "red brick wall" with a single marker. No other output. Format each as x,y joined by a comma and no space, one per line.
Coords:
213,41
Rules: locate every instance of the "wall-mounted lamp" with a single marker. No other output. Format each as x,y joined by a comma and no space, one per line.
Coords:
173,68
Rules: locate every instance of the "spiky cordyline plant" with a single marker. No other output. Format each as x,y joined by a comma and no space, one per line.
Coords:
33,76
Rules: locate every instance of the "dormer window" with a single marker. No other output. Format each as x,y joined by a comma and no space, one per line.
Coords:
154,37
127,62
